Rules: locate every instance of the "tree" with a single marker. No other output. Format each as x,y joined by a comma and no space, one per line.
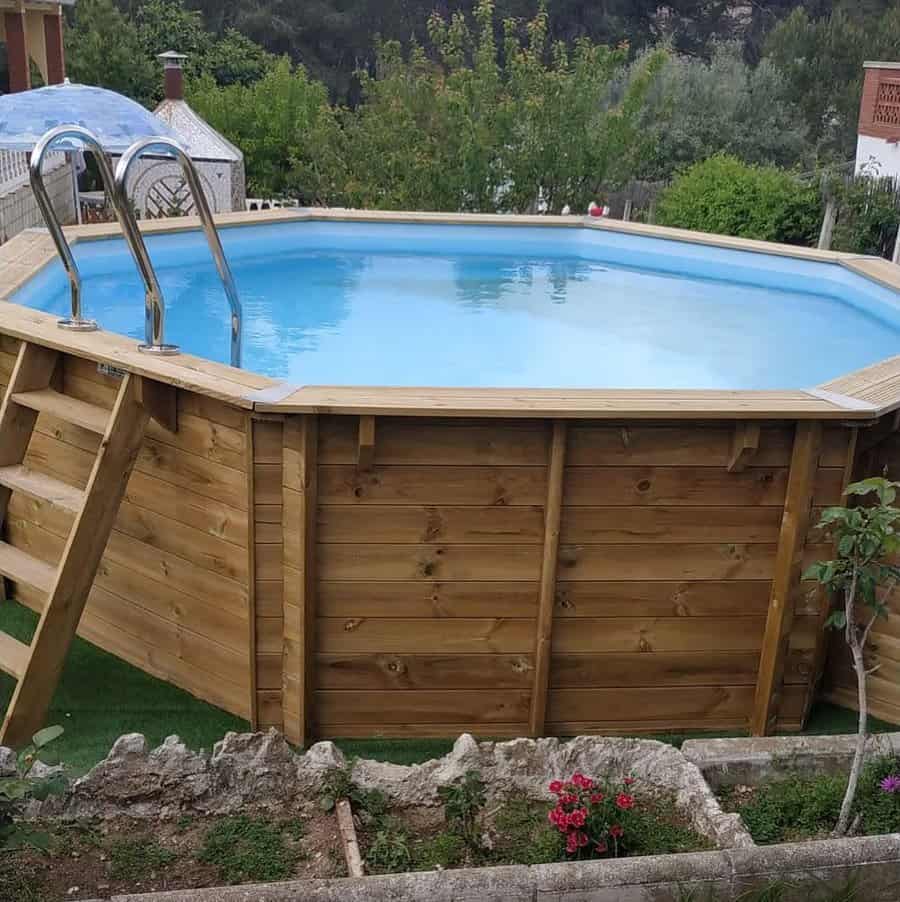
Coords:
470,125
822,62
858,581
698,108
103,48
284,125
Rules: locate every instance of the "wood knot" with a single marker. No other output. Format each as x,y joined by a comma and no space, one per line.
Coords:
427,568
350,625
644,645
563,601
395,665
681,610
358,491
521,665
644,485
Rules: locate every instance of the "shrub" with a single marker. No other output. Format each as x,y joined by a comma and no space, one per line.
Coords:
728,197
15,791
463,800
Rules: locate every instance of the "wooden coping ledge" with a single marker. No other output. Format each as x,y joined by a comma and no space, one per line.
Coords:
862,395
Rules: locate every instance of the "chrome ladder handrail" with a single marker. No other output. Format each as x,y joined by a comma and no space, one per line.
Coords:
154,303
76,322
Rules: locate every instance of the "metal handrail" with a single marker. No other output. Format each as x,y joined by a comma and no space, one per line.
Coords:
154,303
76,322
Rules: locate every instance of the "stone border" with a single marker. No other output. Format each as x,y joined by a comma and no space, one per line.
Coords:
872,862
728,762
260,771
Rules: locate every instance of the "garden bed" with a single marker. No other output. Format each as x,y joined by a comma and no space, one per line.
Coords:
584,820
521,820
801,808
93,859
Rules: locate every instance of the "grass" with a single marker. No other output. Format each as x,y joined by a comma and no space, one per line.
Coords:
797,808
249,849
137,858
100,697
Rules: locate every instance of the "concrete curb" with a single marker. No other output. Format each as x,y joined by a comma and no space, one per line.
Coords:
727,762
872,862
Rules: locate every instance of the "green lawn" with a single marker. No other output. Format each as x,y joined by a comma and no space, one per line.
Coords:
101,697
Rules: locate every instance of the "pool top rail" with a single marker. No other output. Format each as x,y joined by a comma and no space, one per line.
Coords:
862,395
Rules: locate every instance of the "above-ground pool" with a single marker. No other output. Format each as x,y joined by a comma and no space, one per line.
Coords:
357,303
501,475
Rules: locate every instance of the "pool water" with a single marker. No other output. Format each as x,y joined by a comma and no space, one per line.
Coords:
330,303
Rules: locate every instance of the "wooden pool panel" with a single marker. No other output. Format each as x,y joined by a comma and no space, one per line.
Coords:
421,562
273,566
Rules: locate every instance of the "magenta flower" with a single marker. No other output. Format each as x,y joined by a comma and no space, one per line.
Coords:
891,784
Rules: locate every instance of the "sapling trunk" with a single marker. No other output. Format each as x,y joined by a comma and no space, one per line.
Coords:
856,640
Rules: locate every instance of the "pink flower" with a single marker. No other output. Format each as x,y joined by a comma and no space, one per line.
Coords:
578,817
616,830
568,799
601,848
891,784
624,801
571,844
577,779
556,786
582,839
629,781
596,797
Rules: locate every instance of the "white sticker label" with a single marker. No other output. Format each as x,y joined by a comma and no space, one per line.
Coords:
106,370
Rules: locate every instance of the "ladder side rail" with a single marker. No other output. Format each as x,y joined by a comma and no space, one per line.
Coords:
76,322
154,301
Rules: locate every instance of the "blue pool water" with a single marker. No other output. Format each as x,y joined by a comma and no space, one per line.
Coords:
443,305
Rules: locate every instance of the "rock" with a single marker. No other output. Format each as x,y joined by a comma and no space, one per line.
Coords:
41,771
8,762
253,767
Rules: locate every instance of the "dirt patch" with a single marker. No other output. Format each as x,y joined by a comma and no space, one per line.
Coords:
98,860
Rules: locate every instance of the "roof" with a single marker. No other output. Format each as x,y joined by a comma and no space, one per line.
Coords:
200,139
874,64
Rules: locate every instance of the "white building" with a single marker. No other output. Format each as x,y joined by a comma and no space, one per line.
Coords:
158,186
878,145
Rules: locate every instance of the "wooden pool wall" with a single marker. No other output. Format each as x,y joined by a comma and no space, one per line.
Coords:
363,562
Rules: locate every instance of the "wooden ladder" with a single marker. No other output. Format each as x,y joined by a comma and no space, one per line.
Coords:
65,587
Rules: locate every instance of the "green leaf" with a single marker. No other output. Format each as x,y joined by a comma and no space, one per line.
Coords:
14,788
326,803
46,736
55,786
836,620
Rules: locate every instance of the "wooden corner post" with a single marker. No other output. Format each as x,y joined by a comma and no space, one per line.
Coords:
547,592
787,575
301,441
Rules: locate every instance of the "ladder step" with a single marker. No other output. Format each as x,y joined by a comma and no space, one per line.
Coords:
23,479
14,655
23,568
79,413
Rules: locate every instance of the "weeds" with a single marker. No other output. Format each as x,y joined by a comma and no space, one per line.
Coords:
805,808
246,849
135,859
463,802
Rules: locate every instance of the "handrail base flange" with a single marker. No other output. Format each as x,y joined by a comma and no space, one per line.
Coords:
160,350
78,325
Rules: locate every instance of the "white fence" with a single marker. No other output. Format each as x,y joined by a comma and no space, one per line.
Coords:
14,168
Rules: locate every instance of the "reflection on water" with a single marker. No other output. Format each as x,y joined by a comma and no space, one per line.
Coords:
389,318
488,282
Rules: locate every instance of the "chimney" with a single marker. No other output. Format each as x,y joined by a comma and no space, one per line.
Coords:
173,64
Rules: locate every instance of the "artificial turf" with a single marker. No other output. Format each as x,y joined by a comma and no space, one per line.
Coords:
100,697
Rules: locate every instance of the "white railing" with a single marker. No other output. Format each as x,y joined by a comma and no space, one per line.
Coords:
14,168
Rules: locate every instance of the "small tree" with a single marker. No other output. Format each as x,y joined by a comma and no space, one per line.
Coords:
859,581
